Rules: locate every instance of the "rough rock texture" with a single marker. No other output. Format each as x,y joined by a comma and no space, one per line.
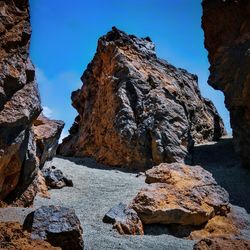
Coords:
13,237
124,219
222,244
180,194
57,225
227,38
236,225
137,110
19,98
55,179
47,133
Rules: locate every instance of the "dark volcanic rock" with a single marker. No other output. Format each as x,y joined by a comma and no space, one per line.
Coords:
55,179
57,225
227,38
19,97
124,219
180,194
47,133
137,110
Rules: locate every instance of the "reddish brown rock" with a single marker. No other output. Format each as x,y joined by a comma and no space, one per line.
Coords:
19,97
222,244
188,195
137,110
13,237
227,38
47,133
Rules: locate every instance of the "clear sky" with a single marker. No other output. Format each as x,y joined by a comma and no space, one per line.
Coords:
65,34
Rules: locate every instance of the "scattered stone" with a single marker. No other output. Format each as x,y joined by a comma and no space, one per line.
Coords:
136,110
222,244
188,195
55,178
125,220
226,26
57,225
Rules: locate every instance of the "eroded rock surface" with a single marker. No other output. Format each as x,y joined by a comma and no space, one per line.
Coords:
58,225
221,244
137,110
180,194
124,219
227,38
19,97
47,133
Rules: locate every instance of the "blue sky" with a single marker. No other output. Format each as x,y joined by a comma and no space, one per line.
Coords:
65,34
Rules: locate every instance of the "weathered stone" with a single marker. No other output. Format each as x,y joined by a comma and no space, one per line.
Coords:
47,133
188,195
221,244
235,225
13,237
55,178
19,97
57,225
125,220
227,38
136,110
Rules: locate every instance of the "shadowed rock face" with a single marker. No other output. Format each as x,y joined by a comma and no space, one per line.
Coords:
137,110
19,97
227,38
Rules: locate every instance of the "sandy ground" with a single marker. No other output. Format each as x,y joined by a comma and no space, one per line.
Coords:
96,189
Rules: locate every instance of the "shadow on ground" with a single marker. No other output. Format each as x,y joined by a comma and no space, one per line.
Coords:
221,160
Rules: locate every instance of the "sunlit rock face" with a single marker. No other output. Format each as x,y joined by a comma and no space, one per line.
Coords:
227,38
137,110
19,97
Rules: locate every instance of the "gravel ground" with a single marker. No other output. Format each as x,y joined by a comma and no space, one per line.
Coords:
96,189
220,159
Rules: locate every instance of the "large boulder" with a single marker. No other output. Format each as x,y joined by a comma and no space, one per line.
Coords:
47,133
227,38
180,194
19,97
137,110
58,225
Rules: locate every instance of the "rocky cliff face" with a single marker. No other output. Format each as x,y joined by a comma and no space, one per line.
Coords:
19,98
227,38
20,130
138,110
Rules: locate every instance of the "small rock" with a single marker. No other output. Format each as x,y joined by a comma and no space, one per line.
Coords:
124,219
57,225
55,178
180,194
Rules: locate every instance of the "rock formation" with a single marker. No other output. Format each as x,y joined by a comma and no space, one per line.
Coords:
47,133
26,140
19,97
227,38
180,194
138,110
